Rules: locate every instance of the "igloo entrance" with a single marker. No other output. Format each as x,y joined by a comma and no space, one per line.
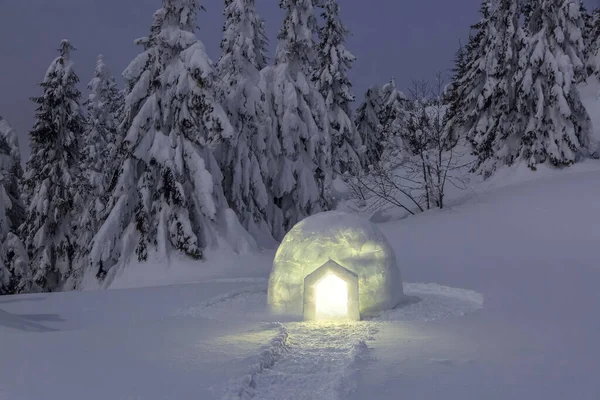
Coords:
331,293
331,298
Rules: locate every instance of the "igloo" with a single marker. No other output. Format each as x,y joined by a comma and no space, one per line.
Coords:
334,265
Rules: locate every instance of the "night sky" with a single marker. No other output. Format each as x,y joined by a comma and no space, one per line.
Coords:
407,40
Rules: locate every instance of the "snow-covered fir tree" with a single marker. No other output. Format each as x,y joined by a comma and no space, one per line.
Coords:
394,111
556,126
243,156
52,181
587,25
14,269
297,136
453,95
12,174
594,44
168,198
99,151
14,262
368,124
331,78
472,80
490,114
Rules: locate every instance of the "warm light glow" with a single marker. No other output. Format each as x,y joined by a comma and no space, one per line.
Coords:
332,298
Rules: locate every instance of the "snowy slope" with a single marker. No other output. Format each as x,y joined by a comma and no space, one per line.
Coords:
524,248
532,250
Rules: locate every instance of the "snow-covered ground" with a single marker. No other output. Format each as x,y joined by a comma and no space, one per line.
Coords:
508,309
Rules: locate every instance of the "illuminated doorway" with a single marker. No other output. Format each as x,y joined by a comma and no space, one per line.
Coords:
332,298
331,293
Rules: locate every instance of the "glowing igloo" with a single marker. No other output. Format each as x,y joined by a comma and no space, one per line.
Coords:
334,265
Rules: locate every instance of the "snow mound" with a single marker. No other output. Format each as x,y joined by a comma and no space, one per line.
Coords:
354,243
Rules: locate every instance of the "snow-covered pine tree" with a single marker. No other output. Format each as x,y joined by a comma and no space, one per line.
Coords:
168,199
331,79
243,156
491,116
471,90
594,44
556,126
297,135
368,124
14,269
453,96
99,152
12,174
52,181
587,25
394,112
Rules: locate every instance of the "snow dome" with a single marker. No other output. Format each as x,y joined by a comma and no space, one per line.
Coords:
334,265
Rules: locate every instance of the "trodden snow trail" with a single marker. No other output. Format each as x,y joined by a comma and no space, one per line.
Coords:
319,364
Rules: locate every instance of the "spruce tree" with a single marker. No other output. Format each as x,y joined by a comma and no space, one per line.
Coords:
99,153
12,174
594,44
369,127
52,181
556,126
14,268
331,79
167,197
298,134
243,156
394,112
453,96
491,117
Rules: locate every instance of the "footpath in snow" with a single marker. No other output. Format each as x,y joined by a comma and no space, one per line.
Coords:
315,361
321,360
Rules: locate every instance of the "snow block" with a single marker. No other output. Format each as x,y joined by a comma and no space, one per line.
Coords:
354,244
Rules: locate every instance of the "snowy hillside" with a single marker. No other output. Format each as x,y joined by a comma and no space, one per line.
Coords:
508,310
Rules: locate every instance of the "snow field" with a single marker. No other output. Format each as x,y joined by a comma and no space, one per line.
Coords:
319,360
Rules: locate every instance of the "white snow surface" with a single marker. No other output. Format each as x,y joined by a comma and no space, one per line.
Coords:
508,310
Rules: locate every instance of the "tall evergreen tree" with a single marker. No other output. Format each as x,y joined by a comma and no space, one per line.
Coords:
556,126
14,269
167,198
53,177
243,156
594,44
491,117
369,127
394,112
453,95
12,174
299,141
99,153
331,78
